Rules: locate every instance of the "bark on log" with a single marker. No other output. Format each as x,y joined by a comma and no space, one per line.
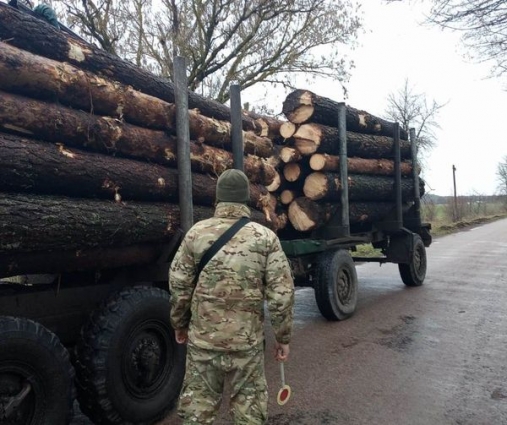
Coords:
311,138
302,106
33,223
270,127
325,162
31,34
32,166
218,133
42,78
327,186
45,79
306,215
108,135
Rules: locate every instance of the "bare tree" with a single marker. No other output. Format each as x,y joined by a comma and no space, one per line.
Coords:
414,110
501,174
483,23
102,21
245,41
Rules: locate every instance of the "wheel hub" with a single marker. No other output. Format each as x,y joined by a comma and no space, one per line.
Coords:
146,361
418,261
344,287
14,389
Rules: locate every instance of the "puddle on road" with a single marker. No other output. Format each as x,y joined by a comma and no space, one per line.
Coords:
400,337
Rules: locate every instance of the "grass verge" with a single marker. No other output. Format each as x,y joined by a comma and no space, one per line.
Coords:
438,229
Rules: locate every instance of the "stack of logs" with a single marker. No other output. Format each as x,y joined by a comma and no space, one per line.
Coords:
88,157
311,186
88,154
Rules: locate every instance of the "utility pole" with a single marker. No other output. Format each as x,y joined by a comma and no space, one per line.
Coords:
455,212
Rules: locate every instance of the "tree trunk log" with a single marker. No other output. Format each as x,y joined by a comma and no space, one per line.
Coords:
42,78
38,223
33,223
270,127
311,138
108,135
302,106
327,186
31,166
218,134
32,34
306,215
325,162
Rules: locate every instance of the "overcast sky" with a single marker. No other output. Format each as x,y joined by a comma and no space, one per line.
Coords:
472,134
395,47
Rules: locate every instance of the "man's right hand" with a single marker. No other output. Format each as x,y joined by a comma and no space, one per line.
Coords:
181,336
281,352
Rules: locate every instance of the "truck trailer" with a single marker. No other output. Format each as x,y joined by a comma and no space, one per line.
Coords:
89,320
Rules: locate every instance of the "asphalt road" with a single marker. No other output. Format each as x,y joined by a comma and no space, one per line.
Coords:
436,354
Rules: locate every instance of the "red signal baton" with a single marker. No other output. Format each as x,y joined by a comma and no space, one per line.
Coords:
285,392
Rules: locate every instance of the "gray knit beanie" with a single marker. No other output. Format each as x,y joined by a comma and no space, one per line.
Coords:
233,186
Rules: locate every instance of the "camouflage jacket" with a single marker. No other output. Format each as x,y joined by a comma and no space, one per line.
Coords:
225,309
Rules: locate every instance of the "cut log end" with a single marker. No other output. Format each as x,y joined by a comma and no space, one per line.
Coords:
264,128
301,217
287,196
275,185
287,130
288,154
305,147
316,186
305,214
301,114
309,132
292,172
318,161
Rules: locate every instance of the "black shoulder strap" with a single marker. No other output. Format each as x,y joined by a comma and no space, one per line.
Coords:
219,243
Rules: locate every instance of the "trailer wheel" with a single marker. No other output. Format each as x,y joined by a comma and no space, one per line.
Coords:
336,285
413,273
129,366
36,376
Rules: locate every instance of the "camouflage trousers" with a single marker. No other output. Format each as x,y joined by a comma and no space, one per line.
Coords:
201,395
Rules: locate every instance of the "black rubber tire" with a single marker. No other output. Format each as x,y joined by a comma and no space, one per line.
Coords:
113,387
414,273
336,285
30,352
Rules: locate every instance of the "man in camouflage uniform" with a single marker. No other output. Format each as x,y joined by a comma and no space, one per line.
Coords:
222,315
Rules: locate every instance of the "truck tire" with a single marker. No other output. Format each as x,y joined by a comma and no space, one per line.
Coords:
413,273
33,359
129,367
336,285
